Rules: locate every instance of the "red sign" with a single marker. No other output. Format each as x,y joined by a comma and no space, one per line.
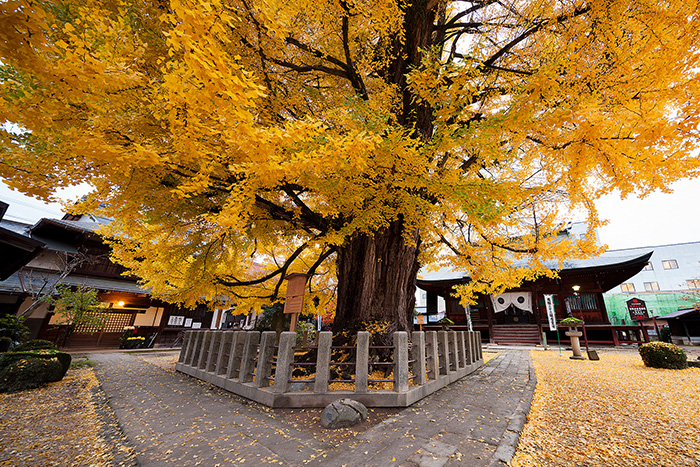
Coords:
637,309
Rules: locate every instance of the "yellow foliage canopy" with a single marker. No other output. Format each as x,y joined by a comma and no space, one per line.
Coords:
222,132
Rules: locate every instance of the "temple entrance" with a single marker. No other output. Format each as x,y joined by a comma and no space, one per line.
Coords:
513,307
514,315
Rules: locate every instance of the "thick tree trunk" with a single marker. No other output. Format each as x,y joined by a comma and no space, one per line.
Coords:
377,280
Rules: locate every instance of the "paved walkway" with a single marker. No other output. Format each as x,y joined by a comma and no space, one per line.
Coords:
172,419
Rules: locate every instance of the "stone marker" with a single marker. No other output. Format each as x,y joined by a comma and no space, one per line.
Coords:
343,413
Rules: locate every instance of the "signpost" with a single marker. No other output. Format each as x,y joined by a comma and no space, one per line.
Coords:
294,300
638,309
552,317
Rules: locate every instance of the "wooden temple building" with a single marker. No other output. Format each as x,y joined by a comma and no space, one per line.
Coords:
519,316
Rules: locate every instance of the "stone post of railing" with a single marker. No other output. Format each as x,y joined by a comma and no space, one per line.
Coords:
204,352
460,346
443,345
193,359
362,362
186,347
213,354
418,357
434,361
265,354
477,343
454,359
285,358
222,361
235,355
250,350
401,361
469,347
323,362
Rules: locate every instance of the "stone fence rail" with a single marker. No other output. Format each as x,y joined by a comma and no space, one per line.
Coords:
253,365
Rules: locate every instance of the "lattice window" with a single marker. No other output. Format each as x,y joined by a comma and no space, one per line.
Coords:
115,323
584,301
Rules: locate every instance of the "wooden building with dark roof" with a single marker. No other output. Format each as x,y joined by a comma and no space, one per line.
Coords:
519,316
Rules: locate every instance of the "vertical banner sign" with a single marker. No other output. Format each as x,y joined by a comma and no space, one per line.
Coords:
551,314
468,312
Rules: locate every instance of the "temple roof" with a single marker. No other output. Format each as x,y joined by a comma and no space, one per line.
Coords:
606,271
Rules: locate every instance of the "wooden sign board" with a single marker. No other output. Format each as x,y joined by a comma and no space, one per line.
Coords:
294,300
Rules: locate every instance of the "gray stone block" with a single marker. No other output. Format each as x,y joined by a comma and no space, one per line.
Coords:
343,413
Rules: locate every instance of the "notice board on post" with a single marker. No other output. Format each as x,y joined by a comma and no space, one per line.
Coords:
294,300
637,309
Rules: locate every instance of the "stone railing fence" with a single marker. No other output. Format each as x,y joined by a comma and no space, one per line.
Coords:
255,366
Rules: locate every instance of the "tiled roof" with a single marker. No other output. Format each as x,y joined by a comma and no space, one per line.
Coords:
13,284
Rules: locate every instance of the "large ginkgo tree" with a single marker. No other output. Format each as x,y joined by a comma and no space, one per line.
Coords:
355,141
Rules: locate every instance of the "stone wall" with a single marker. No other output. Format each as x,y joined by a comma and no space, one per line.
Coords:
255,366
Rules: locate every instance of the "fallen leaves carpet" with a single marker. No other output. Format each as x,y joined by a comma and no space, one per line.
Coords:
611,412
63,423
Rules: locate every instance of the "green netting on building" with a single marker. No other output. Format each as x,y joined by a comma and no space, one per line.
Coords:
658,304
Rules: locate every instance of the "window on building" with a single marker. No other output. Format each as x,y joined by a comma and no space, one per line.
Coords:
648,267
693,283
629,287
581,302
651,286
670,264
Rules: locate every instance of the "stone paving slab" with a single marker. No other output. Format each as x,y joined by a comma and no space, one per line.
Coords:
172,419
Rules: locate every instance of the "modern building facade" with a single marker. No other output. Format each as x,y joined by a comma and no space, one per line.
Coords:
669,282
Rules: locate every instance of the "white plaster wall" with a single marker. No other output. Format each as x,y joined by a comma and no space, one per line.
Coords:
151,317
687,255
39,313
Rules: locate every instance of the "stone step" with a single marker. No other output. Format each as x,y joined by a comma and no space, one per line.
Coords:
516,334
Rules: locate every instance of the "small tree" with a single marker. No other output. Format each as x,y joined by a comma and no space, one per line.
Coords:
78,308
13,327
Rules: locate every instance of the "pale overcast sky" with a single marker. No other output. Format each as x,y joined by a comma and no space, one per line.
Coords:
659,219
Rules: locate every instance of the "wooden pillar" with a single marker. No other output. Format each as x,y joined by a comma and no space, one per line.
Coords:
603,309
687,333
616,340
537,311
644,334
489,314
